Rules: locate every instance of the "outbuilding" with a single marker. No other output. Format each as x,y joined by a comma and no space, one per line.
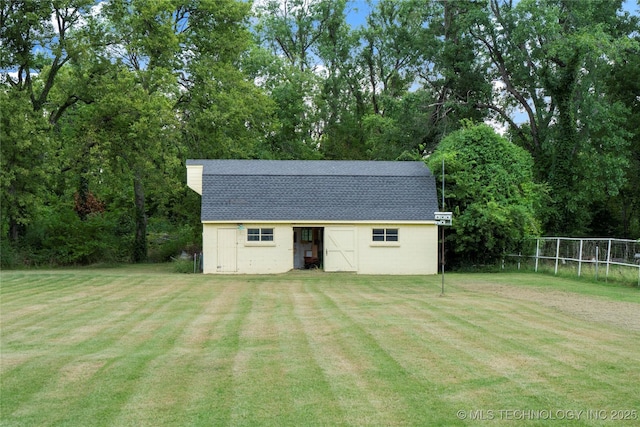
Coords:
272,216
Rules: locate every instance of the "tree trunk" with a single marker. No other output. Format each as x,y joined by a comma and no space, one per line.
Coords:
14,226
140,241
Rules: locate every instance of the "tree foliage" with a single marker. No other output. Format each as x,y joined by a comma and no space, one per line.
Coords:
101,103
489,188
551,59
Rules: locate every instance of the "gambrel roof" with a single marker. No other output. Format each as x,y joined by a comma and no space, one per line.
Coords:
316,190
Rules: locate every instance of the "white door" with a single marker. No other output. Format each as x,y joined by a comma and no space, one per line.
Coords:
340,249
226,260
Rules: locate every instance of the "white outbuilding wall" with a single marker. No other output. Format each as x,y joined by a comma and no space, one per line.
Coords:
345,247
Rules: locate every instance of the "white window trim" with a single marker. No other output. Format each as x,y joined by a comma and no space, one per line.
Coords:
385,243
260,234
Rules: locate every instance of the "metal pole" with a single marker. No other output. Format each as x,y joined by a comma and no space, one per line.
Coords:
442,227
443,184
608,261
442,260
557,255
537,253
597,255
580,259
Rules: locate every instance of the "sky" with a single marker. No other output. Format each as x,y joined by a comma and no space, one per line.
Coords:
360,8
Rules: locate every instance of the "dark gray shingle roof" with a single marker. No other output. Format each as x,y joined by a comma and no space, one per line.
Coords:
322,190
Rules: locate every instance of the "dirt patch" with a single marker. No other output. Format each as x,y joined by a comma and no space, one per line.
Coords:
621,314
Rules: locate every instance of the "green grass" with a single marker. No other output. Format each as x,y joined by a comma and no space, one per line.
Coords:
618,274
145,346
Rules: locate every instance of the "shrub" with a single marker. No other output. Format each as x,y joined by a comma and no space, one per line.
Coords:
60,237
490,189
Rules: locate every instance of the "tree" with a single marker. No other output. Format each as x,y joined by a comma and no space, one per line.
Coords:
23,175
37,39
120,92
398,46
490,188
287,68
180,61
342,99
223,114
551,57
619,215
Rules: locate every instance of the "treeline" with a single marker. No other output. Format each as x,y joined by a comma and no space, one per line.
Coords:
101,102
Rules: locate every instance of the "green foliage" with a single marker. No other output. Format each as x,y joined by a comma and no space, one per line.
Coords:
490,189
167,241
60,237
23,172
9,255
553,60
184,266
108,99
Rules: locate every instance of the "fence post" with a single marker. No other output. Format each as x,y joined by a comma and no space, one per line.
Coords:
580,258
557,254
608,261
597,255
537,252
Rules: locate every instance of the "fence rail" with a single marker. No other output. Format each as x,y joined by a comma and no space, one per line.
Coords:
594,254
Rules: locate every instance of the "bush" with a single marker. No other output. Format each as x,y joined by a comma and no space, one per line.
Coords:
167,241
60,237
8,255
183,266
490,190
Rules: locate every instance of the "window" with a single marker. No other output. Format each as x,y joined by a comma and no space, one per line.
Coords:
385,234
260,234
307,235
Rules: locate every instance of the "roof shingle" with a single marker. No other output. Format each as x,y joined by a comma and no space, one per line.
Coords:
298,190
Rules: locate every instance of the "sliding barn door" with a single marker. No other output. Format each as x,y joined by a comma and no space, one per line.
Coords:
340,249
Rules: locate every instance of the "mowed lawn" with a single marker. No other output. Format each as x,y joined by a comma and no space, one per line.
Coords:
143,346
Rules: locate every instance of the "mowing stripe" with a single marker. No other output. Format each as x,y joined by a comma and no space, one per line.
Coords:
146,348
392,390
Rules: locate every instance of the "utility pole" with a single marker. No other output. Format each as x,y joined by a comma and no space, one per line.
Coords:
443,219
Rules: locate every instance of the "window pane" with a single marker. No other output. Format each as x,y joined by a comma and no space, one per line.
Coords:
378,234
392,234
267,234
253,234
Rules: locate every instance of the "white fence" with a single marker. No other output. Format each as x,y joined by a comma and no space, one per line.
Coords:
599,256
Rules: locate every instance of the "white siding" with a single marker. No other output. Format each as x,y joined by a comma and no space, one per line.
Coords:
194,178
415,252
262,257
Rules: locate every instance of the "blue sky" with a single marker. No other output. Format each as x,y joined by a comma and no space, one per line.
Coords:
360,8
